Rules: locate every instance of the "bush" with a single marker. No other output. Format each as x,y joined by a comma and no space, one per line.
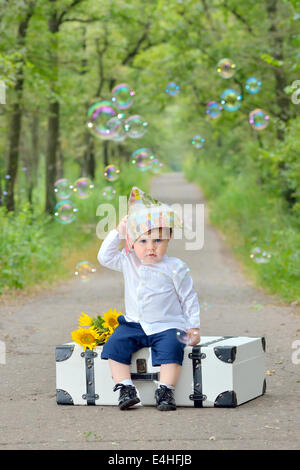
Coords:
247,203
34,247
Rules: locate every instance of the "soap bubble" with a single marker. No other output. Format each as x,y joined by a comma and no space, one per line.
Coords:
226,68
114,127
260,256
135,126
109,193
156,165
100,124
180,274
63,188
198,141
259,119
84,270
213,109
172,89
253,85
204,306
142,159
119,130
65,212
111,173
183,338
122,96
231,100
83,187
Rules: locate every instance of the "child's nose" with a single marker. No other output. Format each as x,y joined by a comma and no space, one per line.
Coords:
151,244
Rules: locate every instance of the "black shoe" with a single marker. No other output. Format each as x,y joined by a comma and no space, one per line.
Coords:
128,396
165,399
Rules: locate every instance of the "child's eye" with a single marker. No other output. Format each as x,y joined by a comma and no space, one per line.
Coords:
143,241
157,240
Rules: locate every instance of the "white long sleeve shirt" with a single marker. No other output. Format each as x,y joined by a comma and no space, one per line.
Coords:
159,295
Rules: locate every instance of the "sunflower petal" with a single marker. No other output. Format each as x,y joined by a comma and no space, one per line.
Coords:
85,320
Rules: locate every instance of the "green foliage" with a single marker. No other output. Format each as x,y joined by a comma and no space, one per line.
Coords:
26,247
34,247
253,214
250,178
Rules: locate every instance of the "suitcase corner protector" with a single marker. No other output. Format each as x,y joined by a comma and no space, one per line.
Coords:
64,352
226,354
63,397
227,399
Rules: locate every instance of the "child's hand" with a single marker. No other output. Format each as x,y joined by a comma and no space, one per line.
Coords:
193,335
122,225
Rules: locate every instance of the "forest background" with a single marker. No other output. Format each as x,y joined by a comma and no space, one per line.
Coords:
59,57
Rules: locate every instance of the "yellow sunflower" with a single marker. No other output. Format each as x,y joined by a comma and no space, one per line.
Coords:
86,337
111,319
85,320
104,337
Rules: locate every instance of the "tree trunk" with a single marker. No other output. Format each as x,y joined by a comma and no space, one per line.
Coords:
14,142
276,42
88,166
60,161
105,153
53,130
89,162
32,165
16,119
53,118
55,20
282,99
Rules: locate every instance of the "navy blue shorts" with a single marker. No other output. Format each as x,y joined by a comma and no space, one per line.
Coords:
129,337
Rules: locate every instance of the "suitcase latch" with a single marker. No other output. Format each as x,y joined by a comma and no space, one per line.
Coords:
197,355
141,366
198,396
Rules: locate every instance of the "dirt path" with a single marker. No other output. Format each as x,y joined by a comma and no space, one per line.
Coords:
32,327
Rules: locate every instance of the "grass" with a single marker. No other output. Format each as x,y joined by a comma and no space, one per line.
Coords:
253,218
35,249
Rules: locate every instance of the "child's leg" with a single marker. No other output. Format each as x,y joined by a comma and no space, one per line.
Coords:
119,371
164,395
121,376
169,373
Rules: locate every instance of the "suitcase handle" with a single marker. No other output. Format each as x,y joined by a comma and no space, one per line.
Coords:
149,377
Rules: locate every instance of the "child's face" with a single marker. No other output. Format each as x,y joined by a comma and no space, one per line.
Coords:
152,246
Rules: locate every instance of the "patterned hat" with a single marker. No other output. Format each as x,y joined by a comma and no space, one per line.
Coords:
146,213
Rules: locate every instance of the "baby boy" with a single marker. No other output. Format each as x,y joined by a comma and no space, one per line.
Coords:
159,299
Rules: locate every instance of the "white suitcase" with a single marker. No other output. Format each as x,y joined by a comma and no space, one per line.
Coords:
218,372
